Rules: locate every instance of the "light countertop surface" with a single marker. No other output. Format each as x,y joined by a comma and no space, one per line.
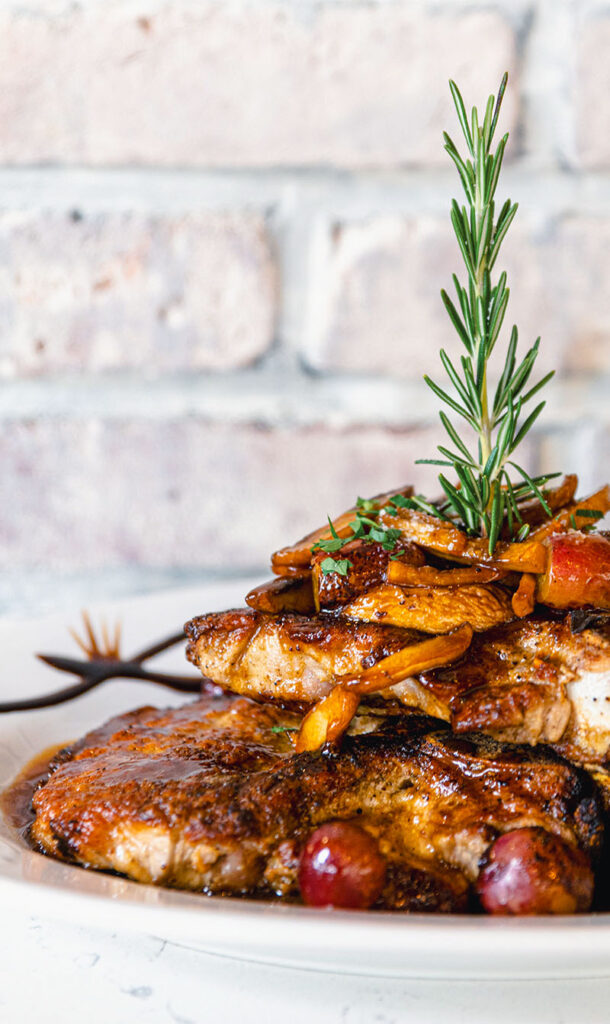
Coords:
56,972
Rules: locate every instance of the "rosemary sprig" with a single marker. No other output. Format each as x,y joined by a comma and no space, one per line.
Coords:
484,499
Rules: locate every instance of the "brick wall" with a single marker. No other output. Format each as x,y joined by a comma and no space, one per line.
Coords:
223,230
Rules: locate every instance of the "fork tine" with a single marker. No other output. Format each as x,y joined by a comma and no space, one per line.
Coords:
105,638
94,649
117,639
107,647
79,641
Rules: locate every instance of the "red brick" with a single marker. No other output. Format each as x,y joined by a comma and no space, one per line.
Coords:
125,290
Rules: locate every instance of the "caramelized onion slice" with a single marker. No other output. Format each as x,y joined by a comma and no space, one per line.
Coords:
427,576
290,571
432,609
524,598
456,546
521,556
410,661
299,554
284,594
426,530
327,720
331,716
597,502
556,498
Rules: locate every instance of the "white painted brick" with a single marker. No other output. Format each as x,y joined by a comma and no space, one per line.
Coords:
592,106
97,494
106,291
584,300
378,307
263,84
584,450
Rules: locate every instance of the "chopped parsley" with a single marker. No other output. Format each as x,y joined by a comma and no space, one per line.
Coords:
338,565
363,527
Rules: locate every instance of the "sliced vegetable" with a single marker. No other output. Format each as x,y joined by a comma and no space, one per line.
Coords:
576,516
433,609
327,720
524,598
299,554
456,546
578,573
556,498
428,576
331,716
284,594
410,661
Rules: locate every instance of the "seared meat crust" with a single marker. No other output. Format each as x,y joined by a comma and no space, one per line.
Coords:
531,681
528,681
211,796
288,657
369,565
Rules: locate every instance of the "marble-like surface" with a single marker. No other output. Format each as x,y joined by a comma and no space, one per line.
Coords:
54,972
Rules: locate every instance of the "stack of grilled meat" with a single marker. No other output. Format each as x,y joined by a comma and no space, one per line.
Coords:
415,724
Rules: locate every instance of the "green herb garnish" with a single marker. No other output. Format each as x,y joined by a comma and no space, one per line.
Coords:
363,527
485,500
586,513
339,565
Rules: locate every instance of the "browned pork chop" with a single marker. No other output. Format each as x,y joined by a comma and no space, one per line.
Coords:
532,681
287,657
211,796
528,681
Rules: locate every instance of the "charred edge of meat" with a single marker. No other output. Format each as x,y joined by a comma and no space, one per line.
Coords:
583,618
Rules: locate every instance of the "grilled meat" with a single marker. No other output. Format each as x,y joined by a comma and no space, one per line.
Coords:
288,657
211,796
531,681
367,567
527,681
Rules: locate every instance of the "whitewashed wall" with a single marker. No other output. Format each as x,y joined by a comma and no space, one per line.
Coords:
223,230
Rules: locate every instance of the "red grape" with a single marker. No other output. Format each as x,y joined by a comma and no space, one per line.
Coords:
341,866
532,871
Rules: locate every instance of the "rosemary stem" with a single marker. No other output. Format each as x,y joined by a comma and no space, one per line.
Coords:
485,424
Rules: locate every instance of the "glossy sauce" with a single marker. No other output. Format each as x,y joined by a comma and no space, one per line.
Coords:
16,799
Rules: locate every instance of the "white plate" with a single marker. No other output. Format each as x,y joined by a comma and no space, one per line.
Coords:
412,946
